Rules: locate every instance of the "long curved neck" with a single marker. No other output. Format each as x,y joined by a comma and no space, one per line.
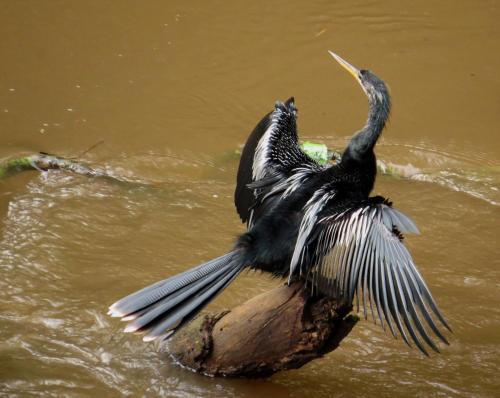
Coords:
362,143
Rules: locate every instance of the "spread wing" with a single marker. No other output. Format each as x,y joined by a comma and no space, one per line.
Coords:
357,250
271,155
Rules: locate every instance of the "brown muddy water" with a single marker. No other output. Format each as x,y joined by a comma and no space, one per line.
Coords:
172,89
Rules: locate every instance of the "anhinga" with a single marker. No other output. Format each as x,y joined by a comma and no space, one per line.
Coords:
307,221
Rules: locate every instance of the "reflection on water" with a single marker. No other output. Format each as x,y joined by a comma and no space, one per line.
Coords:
172,89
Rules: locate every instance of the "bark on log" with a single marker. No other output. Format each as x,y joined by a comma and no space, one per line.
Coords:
278,330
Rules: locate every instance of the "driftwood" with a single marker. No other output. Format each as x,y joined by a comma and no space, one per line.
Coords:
281,329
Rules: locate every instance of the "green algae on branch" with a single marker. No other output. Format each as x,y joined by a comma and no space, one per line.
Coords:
16,165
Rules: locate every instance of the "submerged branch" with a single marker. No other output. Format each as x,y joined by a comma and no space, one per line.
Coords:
44,162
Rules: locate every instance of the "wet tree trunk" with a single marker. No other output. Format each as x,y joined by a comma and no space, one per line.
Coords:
278,330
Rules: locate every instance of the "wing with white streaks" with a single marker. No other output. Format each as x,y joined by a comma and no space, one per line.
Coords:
270,157
359,253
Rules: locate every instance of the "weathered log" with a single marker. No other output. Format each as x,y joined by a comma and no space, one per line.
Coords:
281,329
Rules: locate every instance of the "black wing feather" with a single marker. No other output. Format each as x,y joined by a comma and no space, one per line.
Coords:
243,195
270,155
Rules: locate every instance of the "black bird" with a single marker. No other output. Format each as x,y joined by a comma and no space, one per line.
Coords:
307,221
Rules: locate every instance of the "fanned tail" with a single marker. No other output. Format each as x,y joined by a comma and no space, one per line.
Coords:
162,308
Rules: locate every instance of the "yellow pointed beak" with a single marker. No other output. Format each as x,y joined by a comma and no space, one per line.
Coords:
351,69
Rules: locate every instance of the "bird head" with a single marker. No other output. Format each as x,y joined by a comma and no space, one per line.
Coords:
377,92
374,88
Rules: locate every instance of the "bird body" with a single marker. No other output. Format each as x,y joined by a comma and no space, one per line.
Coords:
282,222
310,221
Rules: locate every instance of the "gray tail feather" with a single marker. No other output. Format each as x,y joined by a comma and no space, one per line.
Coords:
163,307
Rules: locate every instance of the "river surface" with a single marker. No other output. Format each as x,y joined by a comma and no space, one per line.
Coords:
170,91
